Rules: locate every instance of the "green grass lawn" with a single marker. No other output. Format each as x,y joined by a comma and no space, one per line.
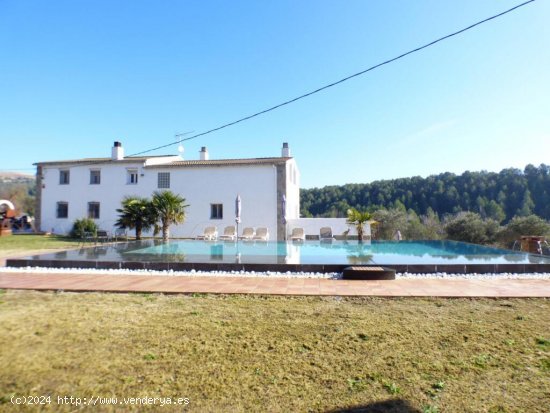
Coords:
277,354
16,243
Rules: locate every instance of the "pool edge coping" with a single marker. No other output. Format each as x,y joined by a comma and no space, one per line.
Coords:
281,268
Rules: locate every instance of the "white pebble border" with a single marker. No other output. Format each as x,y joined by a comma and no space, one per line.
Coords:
192,273
271,274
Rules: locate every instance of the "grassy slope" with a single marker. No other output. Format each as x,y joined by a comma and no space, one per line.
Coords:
35,242
17,245
244,353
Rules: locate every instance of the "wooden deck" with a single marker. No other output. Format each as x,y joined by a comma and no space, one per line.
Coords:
278,286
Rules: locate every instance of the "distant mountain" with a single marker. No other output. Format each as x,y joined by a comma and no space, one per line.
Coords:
15,177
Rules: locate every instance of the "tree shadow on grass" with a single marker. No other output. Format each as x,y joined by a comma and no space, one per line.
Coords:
387,406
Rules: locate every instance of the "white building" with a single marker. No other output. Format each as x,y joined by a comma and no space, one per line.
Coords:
94,188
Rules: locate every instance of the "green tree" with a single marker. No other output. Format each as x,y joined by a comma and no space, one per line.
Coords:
470,227
359,219
432,225
20,195
136,213
415,229
518,226
494,211
527,205
169,209
389,221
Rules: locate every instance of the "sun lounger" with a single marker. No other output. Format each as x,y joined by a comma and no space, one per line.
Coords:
87,237
248,233
297,234
262,234
229,234
325,234
102,236
210,233
121,233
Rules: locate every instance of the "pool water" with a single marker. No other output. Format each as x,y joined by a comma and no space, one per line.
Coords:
335,252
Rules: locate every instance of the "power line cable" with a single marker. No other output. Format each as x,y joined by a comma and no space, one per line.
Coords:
337,82
334,83
330,84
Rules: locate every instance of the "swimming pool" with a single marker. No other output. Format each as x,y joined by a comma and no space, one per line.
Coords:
405,256
335,252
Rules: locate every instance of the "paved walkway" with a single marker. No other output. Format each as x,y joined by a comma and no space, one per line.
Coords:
278,286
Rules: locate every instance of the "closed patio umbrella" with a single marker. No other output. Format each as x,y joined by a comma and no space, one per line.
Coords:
238,213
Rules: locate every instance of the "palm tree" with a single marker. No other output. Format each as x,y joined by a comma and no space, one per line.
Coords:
359,219
169,209
136,213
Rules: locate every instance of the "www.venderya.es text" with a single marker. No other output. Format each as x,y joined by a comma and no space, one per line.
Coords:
99,401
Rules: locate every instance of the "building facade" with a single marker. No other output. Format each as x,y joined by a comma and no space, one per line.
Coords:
94,188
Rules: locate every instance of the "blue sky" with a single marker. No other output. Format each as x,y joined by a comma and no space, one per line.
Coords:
76,76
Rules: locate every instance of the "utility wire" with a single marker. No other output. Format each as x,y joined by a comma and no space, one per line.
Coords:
339,81
331,84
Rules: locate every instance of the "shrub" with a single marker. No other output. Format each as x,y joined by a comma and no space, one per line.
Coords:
389,222
470,227
411,226
529,225
83,225
423,227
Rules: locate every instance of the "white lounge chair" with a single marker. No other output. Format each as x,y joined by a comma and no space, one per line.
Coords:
262,234
87,237
121,233
210,233
297,234
229,234
248,233
325,234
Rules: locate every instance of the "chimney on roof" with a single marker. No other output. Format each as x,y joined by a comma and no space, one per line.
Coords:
204,154
285,152
117,152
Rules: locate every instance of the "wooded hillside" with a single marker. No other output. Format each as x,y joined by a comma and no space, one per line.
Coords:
500,196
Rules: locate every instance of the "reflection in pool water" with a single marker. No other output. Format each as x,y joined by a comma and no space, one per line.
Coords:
308,252
336,252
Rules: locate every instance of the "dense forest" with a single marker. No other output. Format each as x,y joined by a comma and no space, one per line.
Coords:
497,196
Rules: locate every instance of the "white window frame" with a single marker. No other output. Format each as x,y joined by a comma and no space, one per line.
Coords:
129,177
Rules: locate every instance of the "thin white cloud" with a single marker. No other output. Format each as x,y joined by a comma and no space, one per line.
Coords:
428,132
